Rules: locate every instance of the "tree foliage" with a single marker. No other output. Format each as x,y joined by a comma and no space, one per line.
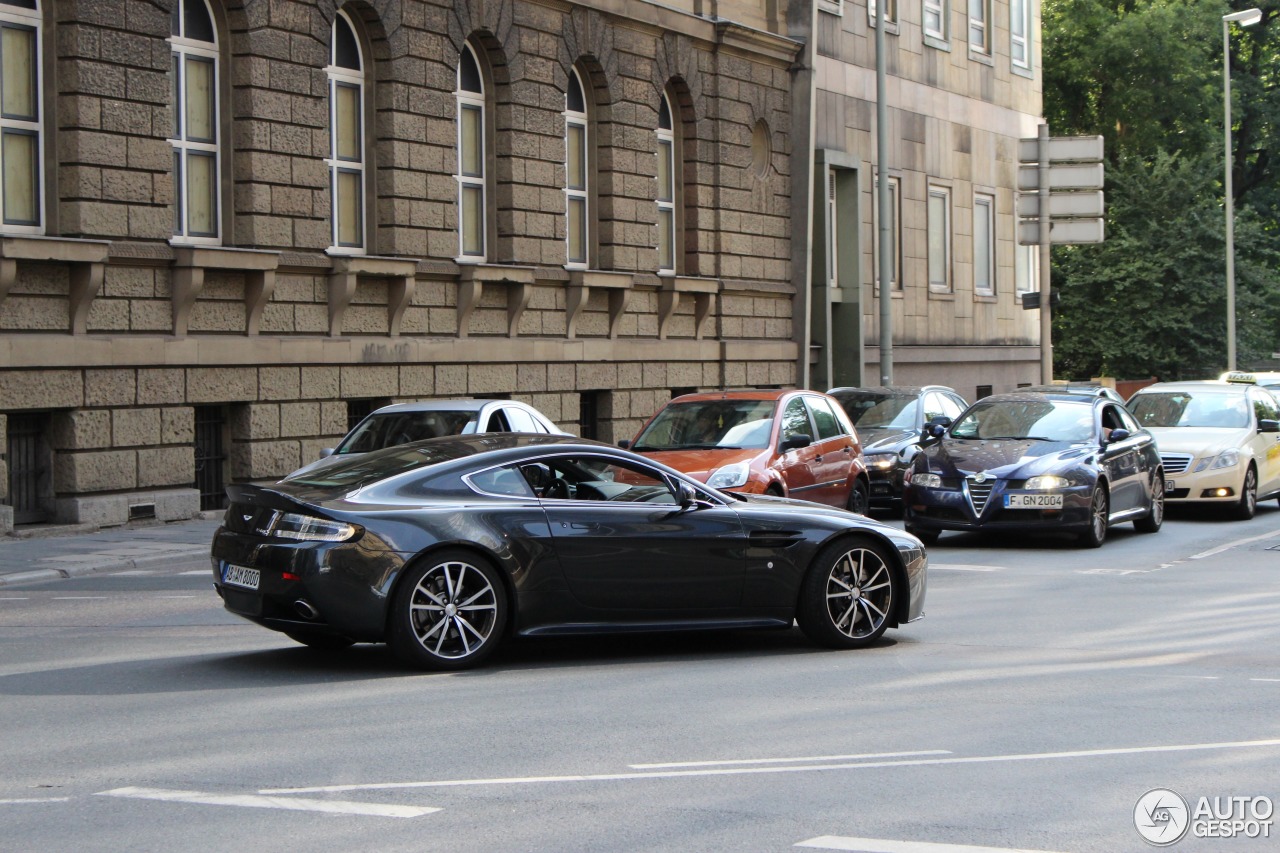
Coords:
1147,76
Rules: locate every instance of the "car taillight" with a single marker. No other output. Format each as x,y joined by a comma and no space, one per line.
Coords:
306,528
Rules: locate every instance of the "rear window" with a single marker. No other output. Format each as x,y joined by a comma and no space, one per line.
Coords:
372,467
391,428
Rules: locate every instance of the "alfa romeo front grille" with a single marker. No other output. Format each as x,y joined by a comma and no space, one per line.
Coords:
979,493
1175,463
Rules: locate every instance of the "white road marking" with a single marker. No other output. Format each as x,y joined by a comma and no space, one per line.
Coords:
800,768
256,802
787,760
78,597
963,567
13,598
196,572
882,845
135,572
173,596
1237,543
34,801
1265,679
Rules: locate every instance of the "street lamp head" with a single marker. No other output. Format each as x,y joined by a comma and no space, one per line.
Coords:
1247,18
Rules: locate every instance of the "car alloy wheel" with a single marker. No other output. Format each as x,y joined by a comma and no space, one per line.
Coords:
1151,522
1248,503
848,595
1099,515
448,612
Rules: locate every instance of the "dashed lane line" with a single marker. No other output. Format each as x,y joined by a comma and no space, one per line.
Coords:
884,845
791,760
33,801
252,801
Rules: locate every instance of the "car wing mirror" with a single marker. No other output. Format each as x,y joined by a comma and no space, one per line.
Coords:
1118,434
1268,425
688,496
328,451
625,443
795,442
936,427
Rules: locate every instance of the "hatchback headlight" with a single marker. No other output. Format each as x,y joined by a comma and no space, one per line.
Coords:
928,481
881,461
306,528
730,476
1047,482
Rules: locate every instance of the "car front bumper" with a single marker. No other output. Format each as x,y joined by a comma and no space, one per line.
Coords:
1220,485
953,509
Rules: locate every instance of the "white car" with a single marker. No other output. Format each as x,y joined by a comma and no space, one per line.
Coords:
402,423
1219,442
1270,381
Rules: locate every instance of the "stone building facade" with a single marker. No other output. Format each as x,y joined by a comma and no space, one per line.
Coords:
962,86
231,227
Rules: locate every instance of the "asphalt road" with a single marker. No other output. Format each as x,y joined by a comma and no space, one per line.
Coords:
1047,689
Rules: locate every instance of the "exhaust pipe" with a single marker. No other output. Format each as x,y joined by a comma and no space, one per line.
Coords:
306,609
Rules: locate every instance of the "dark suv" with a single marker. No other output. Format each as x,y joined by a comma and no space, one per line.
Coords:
890,421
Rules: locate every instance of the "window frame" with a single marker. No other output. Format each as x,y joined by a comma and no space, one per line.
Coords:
579,122
895,204
341,77
31,20
1026,261
890,15
833,233
667,141
938,37
1020,11
476,102
988,201
947,285
980,26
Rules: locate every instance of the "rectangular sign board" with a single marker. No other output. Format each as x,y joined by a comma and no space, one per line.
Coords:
1062,148
1079,177
1062,232
1063,204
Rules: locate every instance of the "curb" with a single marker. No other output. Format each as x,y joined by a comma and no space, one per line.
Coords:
105,567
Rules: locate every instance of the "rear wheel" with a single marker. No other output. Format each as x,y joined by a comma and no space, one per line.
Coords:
1248,503
859,498
1099,514
847,598
1151,522
319,641
448,612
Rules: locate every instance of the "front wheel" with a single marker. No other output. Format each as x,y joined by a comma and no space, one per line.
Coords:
1151,522
1099,515
1248,503
448,612
847,598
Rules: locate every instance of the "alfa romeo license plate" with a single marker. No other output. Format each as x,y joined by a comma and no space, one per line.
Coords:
1033,501
241,576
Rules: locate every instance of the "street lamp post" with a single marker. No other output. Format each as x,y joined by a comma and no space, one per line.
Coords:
1246,18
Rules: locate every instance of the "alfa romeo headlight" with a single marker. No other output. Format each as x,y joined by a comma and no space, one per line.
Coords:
928,481
1047,482
730,476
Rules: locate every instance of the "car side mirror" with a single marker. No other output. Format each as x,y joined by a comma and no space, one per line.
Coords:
328,451
688,497
625,443
1268,425
795,442
1118,434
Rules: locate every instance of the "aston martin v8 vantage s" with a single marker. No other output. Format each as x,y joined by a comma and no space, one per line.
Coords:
444,548
1037,462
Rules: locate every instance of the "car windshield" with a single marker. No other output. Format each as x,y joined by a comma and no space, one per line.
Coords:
869,410
372,467
1044,420
1191,409
710,424
391,428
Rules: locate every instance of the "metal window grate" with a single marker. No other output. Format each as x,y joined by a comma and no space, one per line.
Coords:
211,456
29,465
358,410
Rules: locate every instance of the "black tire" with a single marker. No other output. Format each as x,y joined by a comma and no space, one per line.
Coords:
319,641
449,612
1099,510
1151,522
848,596
774,490
859,498
928,537
1247,506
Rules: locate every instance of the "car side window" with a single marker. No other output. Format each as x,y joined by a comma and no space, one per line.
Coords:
519,420
1264,406
1130,423
497,422
953,406
933,407
795,420
506,480
597,478
825,420
1111,420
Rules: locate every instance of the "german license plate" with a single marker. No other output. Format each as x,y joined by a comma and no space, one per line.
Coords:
1169,486
241,576
1033,501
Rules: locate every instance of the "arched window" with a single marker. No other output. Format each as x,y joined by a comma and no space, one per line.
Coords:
472,214
577,171
21,120
195,122
668,188
346,137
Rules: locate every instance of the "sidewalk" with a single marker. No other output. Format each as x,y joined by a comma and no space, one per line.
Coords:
65,552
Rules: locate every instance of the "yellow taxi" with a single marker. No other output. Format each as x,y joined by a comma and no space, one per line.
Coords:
1219,441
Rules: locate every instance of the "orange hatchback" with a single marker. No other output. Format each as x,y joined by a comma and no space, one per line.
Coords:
797,444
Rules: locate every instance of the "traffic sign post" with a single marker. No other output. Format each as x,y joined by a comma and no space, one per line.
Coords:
1066,174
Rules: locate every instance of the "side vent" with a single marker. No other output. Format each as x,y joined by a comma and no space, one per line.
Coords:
774,539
